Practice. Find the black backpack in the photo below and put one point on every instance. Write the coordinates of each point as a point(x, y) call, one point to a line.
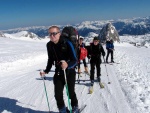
point(71, 34)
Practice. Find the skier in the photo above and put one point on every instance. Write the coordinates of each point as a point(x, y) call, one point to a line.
point(110, 49)
point(94, 55)
point(61, 50)
point(82, 45)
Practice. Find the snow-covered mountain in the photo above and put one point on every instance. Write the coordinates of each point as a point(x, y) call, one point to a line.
point(22, 35)
point(41, 31)
point(2, 34)
point(109, 32)
point(134, 26)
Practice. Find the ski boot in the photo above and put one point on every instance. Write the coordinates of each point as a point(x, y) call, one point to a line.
point(112, 61)
point(99, 79)
point(63, 110)
point(75, 109)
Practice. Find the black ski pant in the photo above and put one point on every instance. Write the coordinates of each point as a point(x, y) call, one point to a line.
point(109, 52)
point(84, 62)
point(92, 71)
point(59, 84)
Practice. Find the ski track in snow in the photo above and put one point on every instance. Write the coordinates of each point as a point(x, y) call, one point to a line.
point(134, 76)
point(33, 97)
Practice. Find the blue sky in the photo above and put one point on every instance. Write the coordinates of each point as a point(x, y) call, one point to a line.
point(24, 13)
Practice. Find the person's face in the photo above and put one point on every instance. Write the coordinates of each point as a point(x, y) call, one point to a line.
point(96, 42)
point(81, 40)
point(54, 35)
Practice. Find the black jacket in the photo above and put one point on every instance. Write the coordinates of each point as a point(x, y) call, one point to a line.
point(95, 51)
point(63, 50)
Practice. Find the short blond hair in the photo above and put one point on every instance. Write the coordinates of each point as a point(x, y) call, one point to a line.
point(54, 27)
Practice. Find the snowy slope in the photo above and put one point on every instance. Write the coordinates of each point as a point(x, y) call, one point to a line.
point(22, 89)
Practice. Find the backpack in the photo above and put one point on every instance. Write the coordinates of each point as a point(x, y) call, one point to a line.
point(71, 34)
point(83, 53)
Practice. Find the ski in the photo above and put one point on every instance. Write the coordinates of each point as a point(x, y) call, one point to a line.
point(82, 108)
point(101, 85)
point(78, 80)
point(91, 90)
point(110, 63)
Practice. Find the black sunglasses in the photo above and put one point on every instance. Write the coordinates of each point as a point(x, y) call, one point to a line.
point(53, 33)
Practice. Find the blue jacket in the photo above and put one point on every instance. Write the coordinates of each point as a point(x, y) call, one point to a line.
point(109, 45)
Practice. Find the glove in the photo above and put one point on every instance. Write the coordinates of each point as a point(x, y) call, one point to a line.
point(42, 74)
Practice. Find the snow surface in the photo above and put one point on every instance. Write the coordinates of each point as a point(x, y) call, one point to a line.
point(22, 89)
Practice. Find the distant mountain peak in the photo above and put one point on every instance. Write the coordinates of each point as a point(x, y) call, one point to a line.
point(108, 32)
point(25, 34)
point(2, 34)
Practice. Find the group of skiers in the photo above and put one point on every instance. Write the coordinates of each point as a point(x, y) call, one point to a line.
point(63, 55)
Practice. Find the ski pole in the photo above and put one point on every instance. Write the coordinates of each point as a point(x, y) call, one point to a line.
point(78, 78)
point(46, 94)
point(67, 91)
point(78, 72)
point(106, 71)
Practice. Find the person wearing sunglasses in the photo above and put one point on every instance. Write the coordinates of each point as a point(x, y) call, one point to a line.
point(95, 51)
point(59, 49)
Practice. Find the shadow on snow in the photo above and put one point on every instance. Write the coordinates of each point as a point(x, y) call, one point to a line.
point(10, 105)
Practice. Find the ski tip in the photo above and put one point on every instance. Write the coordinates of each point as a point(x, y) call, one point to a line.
point(82, 108)
point(90, 91)
point(101, 85)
